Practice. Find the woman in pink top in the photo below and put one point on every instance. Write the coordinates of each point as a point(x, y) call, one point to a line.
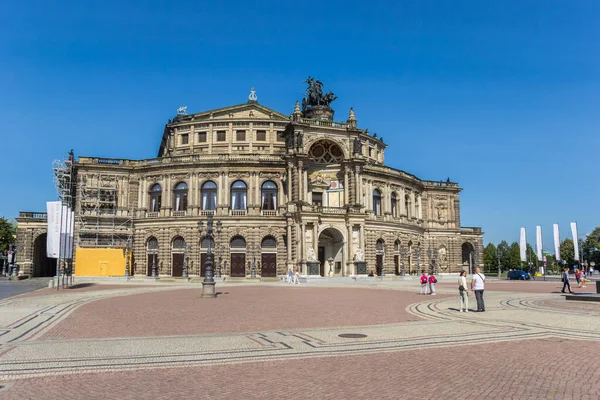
point(423, 284)
point(432, 282)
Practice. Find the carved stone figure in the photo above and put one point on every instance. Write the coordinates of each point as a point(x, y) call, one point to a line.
point(358, 255)
point(357, 146)
point(311, 256)
point(299, 141)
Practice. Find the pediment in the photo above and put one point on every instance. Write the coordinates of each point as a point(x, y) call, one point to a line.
point(246, 111)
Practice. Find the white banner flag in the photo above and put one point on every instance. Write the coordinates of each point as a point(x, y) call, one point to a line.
point(538, 242)
point(523, 245)
point(556, 242)
point(575, 241)
point(63, 231)
point(53, 237)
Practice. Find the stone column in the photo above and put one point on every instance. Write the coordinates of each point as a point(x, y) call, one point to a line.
point(300, 175)
point(412, 204)
point(420, 207)
point(289, 182)
point(358, 185)
point(346, 183)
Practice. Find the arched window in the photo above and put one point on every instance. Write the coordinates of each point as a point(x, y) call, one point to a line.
point(181, 196)
point(178, 243)
point(155, 198)
point(397, 246)
point(269, 195)
point(376, 202)
point(407, 206)
point(394, 201)
point(268, 242)
point(379, 246)
point(152, 245)
point(207, 242)
point(325, 151)
point(209, 196)
point(237, 242)
point(239, 191)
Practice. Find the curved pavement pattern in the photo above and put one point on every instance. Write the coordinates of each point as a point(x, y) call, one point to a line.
point(518, 329)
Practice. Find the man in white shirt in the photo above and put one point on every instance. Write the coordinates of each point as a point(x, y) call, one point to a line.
point(477, 286)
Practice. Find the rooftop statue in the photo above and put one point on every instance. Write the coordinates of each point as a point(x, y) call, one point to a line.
point(315, 96)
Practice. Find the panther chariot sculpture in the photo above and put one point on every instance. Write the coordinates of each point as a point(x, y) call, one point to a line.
point(316, 104)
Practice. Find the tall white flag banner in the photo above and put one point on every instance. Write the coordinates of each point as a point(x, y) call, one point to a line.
point(523, 245)
point(575, 241)
point(556, 242)
point(538, 242)
point(53, 236)
point(64, 234)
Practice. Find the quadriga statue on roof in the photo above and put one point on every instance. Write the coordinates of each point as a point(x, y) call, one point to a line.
point(315, 96)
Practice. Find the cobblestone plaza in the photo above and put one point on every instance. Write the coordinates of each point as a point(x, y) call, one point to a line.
point(373, 338)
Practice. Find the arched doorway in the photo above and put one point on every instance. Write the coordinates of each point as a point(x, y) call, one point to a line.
point(237, 247)
point(379, 252)
point(268, 261)
point(467, 256)
point(42, 265)
point(177, 256)
point(397, 270)
point(331, 248)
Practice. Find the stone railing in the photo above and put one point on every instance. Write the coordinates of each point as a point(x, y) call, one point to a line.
point(440, 184)
point(268, 213)
point(33, 215)
point(179, 213)
point(206, 213)
point(237, 213)
point(474, 230)
point(153, 214)
point(192, 158)
point(332, 210)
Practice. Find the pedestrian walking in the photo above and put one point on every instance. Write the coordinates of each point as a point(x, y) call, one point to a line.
point(463, 292)
point(432, 281)
point(477, 286)
point(583, 278)
point(566, 282)
point(423, 283)
point(290, 274)
point(578, 277)
point(296, 278)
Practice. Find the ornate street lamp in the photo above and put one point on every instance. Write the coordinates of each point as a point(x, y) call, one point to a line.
point(403, 254)
point(219, 229)
point(418, 256)
point(127, 253)
point(254, 249)
point(429, 256)
point(208, 285)
point(186, 260)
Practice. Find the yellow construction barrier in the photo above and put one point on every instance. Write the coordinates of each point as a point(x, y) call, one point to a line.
point(100, 262)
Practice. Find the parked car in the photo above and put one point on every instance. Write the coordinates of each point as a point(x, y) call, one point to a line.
point(518, 274)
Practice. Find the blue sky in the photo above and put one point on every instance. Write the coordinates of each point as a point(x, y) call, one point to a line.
point(502, 97)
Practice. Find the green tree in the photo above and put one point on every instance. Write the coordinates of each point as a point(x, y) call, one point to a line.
point(567, 252)
point(504, 255)
point(7, 233)
point(514, 256)
point(591, 247)
point(490, 258)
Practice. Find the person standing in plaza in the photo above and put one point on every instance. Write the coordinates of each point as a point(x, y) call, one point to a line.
point(463, 292)
point(566, 282)
point(423, 283)
point(432, 282)
point(289, 276)
point(477, 286)
point(578, 277)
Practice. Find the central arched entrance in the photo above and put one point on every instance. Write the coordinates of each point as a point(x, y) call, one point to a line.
point(42, 265)
point(331, 252)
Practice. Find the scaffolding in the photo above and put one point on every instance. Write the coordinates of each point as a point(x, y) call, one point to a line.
point(102, 223)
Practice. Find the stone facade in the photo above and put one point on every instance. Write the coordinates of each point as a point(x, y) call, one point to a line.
point(286, 189)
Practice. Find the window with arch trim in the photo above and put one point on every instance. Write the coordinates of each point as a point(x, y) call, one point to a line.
point(377, 202)
point(394, 205)
point(269, 195)
point(180, 196)
point(325, 151)
point(209, 195)
point(155, 197)
point(239, 192)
